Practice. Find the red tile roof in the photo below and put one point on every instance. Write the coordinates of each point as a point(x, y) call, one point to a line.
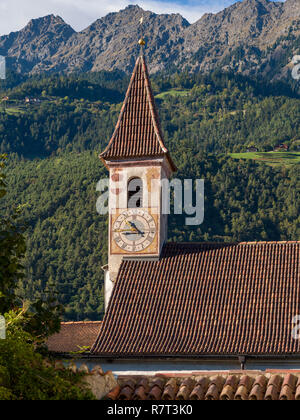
point(74, 336)
point(236, 385)
point(205, 299)
point(138, 132)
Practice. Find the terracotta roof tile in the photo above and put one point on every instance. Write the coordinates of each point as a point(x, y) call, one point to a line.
point(244, 388)
point(113, 395)
point(138, 132)
point(200, 389)
point(297, 394)
point(171, 390)
point(223, 386)
point(142, 390)
point(206, 299)
point(288, 388)
point(273, 388)
point(73, 336)
point(259, 388)
point(215, 388)
point(126, 393)
point(127, 390)
point(185, 389)
point(230, 388)
point(156, 388)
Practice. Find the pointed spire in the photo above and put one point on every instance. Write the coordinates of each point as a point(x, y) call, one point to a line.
point(138, 132)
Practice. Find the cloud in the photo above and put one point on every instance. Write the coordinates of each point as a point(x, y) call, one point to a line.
point(15, 14)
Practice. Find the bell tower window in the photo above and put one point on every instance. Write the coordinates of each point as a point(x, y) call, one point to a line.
point(135, 193)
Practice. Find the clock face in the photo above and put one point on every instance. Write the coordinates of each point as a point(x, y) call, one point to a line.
point(134, 230)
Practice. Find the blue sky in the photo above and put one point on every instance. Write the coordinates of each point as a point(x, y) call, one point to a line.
point(15, 14)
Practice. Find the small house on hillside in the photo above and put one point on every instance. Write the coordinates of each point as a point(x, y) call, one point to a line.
point(252, 149)
point(281, 148)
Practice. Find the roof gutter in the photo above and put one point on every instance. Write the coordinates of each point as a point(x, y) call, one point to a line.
point(242, 359)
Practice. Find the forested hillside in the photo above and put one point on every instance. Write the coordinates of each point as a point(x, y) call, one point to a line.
point(67, 239)
point(55, 135)
point(220, 113)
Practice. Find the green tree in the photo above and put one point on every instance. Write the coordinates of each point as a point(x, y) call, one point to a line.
point(42, 316)
point(12, 250)
point(26, 375)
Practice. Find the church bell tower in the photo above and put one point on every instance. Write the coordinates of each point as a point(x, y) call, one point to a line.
point(137, 160)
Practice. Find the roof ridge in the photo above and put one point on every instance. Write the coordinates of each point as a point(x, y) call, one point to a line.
point(233, 243)
point(269, 242)
point(201, 243)
point(155, 117)
point(80, 322)
point(209, 385)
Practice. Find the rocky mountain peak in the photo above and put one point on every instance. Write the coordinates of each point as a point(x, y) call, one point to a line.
point(133, 7)
point(292, 8)
point(236, 38)
point(48, 23)
point(289, 3)
point(38, 41)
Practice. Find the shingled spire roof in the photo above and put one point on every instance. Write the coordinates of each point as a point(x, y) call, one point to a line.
point(138, 132)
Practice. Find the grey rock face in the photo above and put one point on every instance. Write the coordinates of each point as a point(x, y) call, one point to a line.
point(36, 43)
point(244, 38)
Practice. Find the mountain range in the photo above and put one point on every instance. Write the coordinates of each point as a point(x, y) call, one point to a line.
point(251, 37)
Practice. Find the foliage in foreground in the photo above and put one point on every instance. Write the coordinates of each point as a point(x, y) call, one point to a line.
point(24, 374)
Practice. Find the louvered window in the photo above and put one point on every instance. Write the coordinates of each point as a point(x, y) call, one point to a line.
point(135, 193)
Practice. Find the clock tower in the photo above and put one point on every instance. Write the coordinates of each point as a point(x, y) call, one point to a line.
point(138, 161)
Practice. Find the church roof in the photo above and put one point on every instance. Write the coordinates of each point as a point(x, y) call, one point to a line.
point(74, 336)
point(205, 299)
point(138, 133)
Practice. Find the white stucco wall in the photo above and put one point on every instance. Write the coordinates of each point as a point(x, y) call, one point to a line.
point(108, 289)
point(151, 368)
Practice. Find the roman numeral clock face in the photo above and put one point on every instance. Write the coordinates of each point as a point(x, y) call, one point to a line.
point(134, 230)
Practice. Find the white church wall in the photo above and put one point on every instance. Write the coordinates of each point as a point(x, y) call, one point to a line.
point(176, 367)
point(108, 286)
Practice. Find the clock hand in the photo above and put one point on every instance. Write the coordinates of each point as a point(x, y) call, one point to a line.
point(132, 224)
point(137, 229)
point(125, 230)
point(133, 229)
